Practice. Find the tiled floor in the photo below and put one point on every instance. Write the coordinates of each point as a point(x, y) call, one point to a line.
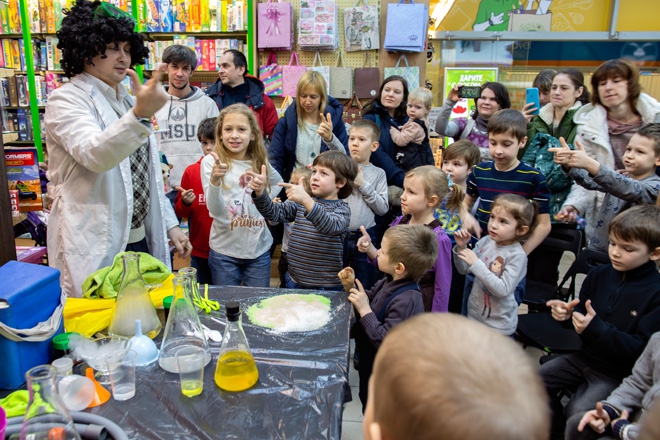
point(352, 419)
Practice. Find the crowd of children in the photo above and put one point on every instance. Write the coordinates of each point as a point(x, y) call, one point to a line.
point(461, 244)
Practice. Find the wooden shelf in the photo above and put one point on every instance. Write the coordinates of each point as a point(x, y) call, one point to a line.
point(17, 107)
point(198, 35)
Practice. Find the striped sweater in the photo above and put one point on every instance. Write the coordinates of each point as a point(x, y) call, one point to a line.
point(315, 250)
point(485, 183)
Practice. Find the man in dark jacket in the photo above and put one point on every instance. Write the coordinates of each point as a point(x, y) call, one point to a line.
point(234, 85)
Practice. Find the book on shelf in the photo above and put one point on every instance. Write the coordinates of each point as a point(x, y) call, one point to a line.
point(22, 90)
point(13, 94)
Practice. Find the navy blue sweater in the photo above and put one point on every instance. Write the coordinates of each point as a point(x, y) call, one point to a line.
point(627, 306)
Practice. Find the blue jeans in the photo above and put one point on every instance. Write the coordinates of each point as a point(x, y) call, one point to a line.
point(365, 272)
point(204, 275)
point(229, 271)
point(290, 284)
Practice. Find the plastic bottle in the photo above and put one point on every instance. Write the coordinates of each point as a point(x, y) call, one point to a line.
point(133, 302)
point(183, 328)
point(236, 369)
point(46, 416)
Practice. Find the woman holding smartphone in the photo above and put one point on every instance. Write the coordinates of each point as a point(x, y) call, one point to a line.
point(493, 97)
point(604, 127)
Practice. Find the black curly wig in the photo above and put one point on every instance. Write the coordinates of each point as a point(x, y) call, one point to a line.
point(84, 36)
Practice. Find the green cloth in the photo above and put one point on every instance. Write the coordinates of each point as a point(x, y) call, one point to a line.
point(16, 403)
point(104, 283)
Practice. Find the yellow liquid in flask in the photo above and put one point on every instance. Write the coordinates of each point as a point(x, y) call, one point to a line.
point(236, 371)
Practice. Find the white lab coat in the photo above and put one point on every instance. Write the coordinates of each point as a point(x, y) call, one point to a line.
point(90, 174)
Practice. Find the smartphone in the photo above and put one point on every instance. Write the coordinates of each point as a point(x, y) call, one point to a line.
point(532, 95)
point(470, 92)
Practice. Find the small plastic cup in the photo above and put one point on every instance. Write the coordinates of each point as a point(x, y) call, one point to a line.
point(190, 361)
point(76, 391)
point(64, 366)
point(121, 366)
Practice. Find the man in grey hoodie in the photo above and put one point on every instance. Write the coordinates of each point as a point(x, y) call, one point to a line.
point(179, 118)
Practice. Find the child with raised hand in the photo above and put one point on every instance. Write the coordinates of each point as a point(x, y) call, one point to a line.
point(616, 314)
point(407, 251)
point(321, 220)
point(624, 411)
point(240, 240)
point(367, 200)
point(190, 203)
point(445, 376)
point(413, 137)
point(458, 160)
point(638, 185)
point(498, 262)
point(424, 188)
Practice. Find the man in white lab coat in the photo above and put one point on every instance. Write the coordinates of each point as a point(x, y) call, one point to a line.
point(104, 169)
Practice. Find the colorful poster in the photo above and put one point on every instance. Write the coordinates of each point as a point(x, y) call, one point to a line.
point(23, 176)
point(466, 77)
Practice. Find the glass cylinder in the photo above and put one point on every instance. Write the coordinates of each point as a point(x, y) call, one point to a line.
point(46, 416)
point(236, 369)
point(133, 302)
point(183, 328)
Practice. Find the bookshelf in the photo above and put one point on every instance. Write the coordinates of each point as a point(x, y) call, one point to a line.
point(36, 65)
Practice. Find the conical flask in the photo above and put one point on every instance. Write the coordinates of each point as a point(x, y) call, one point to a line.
point(46, 417)
point(236, 369)
point(133, 302)
point(183, 328)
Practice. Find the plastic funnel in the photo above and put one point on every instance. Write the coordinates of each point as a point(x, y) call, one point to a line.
point(146, 349)
point(101, 395)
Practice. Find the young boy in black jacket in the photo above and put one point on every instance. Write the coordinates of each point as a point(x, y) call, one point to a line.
point(406, 253)
point(617, 312)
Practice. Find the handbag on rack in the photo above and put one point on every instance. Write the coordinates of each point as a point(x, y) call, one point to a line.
point(275, 25)
point(409, 73)
point(341, 80)
point(271, 76)
point(323, 70)
point(291, 74)
point(367, 79)
point(406, 26)
point(286, 102)
point(352, 110)
point(361, 27)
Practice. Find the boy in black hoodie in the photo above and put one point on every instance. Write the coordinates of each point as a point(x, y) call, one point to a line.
point(617, 312)
point(406, 253)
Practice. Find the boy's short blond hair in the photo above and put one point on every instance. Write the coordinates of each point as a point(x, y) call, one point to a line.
point(444, 376)
point(416, 246)
point(423, 95)
point(368, 125)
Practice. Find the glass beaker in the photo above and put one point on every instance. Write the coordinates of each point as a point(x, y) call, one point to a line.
point(183, 328)
point(46, 416)
point(133, 302)
point(236, 369)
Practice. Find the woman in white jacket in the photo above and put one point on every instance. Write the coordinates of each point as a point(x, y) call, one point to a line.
point(617, 110)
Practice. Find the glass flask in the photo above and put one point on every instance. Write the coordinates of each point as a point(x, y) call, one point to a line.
point(133, 302)
point(183, 328)
point(194, 288)
point(46, 417)
point(236, 369)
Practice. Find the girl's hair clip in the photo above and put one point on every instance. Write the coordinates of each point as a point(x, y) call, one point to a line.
point(309, 167)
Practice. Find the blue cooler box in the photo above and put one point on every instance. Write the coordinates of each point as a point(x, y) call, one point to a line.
point(29, 294)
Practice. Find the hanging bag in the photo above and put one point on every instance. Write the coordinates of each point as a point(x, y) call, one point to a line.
point(271, 76)
point(361, 27)
point(410, 73)
point(352, 111)
point(317, 25)
point(323, 70)
point(275, 29)
point(291, 74)
point(367, 79)
point(341, 80)
point(406, 26)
